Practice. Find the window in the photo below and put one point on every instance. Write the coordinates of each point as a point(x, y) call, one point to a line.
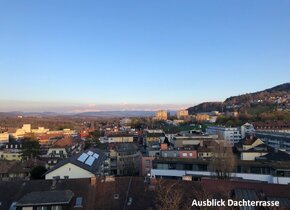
point(56, 208)
point(41, 208)
point(79, 202)
point(27, 208)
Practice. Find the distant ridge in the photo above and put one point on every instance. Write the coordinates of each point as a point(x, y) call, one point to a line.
point(82, 114)
point(116, 114)
point(244, 100)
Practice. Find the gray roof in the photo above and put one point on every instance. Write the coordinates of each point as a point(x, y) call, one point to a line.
point(94, 168)
point(247, 194)
point(46, 198)
point(276, 156)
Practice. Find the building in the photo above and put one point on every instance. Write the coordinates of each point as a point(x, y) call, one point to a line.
point(247, 128)
point(253, 148)
point(206, 149)
point(146, 164)
point(154, 137)
point(118, 138)
point(232, 135)
point(202, 117)
point(192, 139)
point(40, 130)
point(161, 115)
point(20, 133)
point(55, 200)
point(181, 114)
point(278, 140)
point(4, 138)
point(114, 194)
point(11, 151)
point(125, 159)
point(91, 163)
point(261, 171)
point(17, 170)
point(181, 153)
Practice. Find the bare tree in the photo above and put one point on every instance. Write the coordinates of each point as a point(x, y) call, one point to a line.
point(168, 196)
point(223, 161)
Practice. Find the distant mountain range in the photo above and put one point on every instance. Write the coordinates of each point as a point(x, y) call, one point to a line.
point(117, 114)
point(273, 96)
point(83, 114)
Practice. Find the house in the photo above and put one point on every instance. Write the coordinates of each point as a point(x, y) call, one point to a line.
point(276, 155)
point(252, 148)
point(11, 151)
point(154, 137)
point(90, 163)
point(55, 200)
point(77, 194)
point(206, 149)
point(17, 170)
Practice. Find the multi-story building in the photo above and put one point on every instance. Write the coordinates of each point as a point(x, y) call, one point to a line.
point(202, 117)
point(247, 128)
point(271, 172)
point(161, 115)
point(125, 159)
point(181, 114)
point(11, 151)
point(192, 139)
point(277, 140)
point(117, 138)
point(232, 135)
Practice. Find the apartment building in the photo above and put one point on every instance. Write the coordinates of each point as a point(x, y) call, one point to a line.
point(161, 115)
point(232, 135)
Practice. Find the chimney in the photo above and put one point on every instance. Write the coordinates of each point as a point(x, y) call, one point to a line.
point(93, 181)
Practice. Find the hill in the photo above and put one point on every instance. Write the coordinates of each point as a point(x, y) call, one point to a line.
point(277, 97)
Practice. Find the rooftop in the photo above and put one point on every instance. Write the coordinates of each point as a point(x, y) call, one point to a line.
point(46, 197)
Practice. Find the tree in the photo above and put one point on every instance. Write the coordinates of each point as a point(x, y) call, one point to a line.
point(223, 160)
point(30, 148)
point(38, 172)
point(168, 196)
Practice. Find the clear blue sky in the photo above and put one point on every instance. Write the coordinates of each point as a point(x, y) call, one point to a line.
point(141, 52)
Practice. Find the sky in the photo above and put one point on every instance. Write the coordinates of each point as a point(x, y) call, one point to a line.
point(73, 55)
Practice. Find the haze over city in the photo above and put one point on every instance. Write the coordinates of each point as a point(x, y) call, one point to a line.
point(71, 56)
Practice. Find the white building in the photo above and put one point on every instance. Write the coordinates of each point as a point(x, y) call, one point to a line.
point(88, 164)
point(247, 128)
point(232, 135)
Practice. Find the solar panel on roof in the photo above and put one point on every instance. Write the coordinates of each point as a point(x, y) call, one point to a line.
point(90, 161)
point(90, 153)
point(83, 157)
point(96, 155)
